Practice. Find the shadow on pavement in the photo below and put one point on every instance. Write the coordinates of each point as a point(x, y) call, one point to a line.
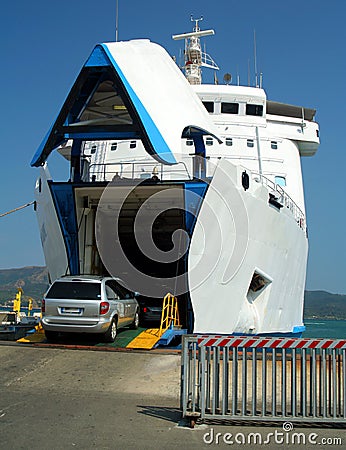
point(161, 412)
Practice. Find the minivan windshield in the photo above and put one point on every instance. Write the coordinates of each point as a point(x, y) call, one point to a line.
point(76, 290)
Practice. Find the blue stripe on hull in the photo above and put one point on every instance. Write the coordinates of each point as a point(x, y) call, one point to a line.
point(63, 198)
point(161, 149)
point(194, 195)
point(292, 334)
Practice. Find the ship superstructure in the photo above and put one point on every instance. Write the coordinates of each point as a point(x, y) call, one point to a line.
point(182, 187)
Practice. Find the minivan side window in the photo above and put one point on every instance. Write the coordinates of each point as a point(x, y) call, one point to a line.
point(121, 291)
point(111, 295)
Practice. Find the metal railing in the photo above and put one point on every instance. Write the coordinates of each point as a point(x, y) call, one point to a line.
point(170, 313)
point(282, 198)
point(276, 189)
point(137, 170)
point(263, 379)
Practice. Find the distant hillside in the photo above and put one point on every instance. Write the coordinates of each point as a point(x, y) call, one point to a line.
point(325, 305)
point(33, 280)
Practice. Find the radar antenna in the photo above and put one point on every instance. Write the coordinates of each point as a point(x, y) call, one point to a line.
point(227, 78)
point(196, 28)
point(194, 57)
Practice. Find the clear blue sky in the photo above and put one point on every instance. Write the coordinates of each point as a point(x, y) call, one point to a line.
point(300, 50)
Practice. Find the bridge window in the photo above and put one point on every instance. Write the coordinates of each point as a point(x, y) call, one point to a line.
point(274, 145)
point(281, 181)
point(114, 146)
point(229, 142)
point(209, 141)
point(189, 142)
point(254, 110)
point(133, 144)
point(93, 149)
point(250, 143)
point(229, 108)
point(209, 106)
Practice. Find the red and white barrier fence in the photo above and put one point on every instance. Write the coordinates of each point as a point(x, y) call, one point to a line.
point(268, 342)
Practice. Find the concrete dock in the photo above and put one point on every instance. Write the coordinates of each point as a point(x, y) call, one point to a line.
point(54, 398)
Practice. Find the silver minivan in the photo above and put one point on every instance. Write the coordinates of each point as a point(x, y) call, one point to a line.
point(88, 304)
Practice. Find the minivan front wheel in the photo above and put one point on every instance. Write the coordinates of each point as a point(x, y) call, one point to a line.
point(111, 333)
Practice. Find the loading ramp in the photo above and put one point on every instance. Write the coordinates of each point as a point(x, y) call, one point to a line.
point(170, 327)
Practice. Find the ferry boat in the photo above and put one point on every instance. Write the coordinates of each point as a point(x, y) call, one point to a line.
point(182, 187)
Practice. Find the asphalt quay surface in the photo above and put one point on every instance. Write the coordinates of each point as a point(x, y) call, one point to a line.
point(59, 398)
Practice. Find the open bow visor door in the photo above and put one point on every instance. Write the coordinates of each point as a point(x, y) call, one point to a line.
point(129, 90)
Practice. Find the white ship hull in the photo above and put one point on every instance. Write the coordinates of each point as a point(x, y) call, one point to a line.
point(227, 248)
point(209, 207)
point(260, 240)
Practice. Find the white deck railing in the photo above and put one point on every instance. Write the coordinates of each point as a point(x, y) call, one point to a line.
point(137, 170)
point(283, 198)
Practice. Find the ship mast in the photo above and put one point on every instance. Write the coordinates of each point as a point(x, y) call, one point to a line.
point(194, 57)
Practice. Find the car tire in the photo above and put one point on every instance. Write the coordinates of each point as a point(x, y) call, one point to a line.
point(51, 335)
point(112, 331)
point(135, 323)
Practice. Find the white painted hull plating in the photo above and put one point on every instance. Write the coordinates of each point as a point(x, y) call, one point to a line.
point(273, 244)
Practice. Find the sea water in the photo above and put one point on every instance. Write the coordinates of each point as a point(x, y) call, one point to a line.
point(324, 328)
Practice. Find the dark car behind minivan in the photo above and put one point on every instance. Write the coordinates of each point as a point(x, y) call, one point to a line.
point(150, 311)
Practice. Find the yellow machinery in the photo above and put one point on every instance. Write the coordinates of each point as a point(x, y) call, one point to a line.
point(169, 317)
point(17, 302)
point(39, 335)
point(30, 301)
